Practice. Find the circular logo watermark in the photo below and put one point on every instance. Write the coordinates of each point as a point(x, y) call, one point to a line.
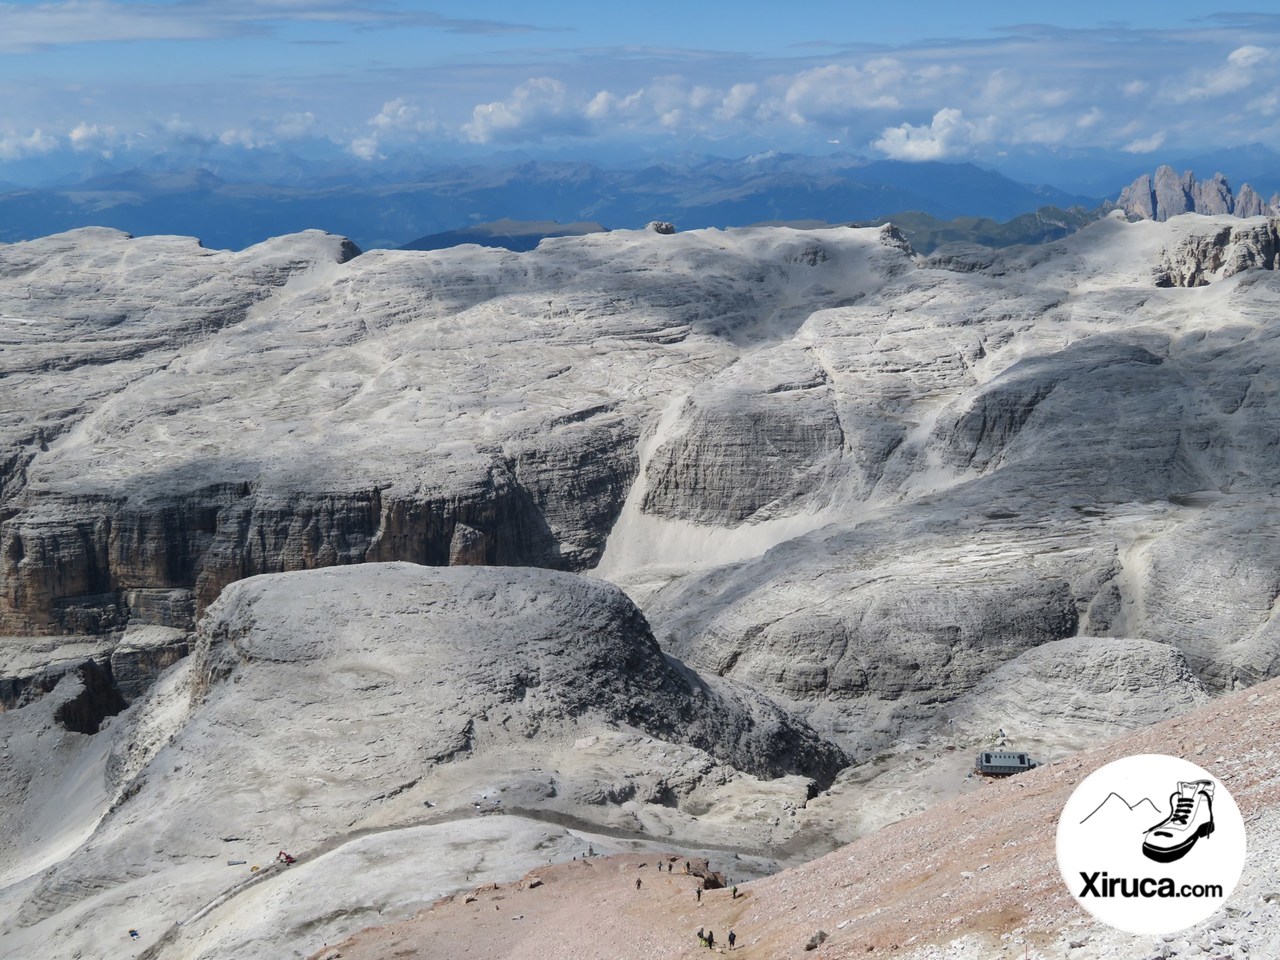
point(1151, 844)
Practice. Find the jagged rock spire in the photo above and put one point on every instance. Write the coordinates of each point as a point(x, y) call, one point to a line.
point(1167, 195)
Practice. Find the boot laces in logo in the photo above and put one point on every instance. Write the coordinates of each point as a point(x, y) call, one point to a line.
point(1143, 864)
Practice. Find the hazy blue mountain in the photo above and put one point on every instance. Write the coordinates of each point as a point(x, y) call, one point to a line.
point(691, 192)
point(926, 233)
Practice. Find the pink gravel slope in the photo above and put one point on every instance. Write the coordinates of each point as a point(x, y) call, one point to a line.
point(971, 877)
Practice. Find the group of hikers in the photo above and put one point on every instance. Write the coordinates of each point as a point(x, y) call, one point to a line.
point(705, 938)
point(708, 939)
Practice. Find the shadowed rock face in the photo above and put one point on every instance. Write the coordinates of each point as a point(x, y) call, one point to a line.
point(506, 653)
point(284, 409)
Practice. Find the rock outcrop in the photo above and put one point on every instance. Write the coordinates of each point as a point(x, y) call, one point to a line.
point(323, 705)
point(793, 445)
point(490, 655)
point(184, 418)
point(1169, 195)
point(1199, 260)
point(840, 481)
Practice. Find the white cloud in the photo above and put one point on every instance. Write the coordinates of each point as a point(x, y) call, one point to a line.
point(15, 146)
point(366, 148)
point(538, 108)
point(399, 114)
point(1247, 56)
point(1144, 144)
point(85, 136)
point(1135, 87)
point(1089, 119)
point(240, 138)
point(267, 132)
point(949, 134)
point(737, 101)
point(294, 126)
point(834, 94)
point(398, 120)
point(33, 26)
point(1236, 74)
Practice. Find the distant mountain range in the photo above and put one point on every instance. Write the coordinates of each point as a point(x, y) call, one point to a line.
point(706, 192)
point(519, 235)
point(515, 205)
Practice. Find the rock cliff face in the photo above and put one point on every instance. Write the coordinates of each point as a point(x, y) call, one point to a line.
point(324, 704)
point(716, 420)
point(1020, 443)
point(1169, 195)
point(842, 483)
point(284, 409)
point(501, 655)
point(1224, 253)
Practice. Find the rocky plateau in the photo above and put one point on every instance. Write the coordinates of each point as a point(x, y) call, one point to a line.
point(738, 542)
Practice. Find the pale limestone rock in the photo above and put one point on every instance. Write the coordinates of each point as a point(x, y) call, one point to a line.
point(468, 546)
point(1250, 204)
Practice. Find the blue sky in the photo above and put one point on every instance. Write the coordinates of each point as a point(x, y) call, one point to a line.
point(366, 81)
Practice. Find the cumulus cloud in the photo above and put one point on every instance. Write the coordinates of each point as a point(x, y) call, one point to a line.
point(672, 104)
point(738, 101)
point(538, 108)
point(268, 131)
point(241, 137)
point(399, 114)
point(833, 94)
point(294, 126)
point(930, 100)
point(15, 146)
point(397, 120)
point(949, 134)
point(87, 136)
point(366, 148)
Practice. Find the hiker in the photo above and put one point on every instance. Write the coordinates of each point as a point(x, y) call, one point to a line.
point(637, 883)
point(133, 934)
point(699, 893)
point(711, 940)
point(733, 938)
point(686, 866)
point(734, 891)
point(702, 937)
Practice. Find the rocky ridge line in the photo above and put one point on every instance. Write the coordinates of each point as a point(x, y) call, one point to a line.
point(1168, 195)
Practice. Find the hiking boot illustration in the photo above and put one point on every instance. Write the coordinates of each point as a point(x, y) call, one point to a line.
point(1190, 818)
